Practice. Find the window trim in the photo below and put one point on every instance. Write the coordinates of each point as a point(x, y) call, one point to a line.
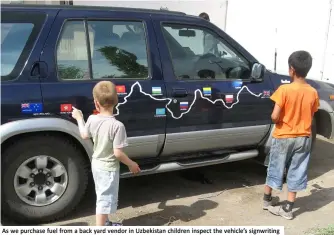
point(194, 25)
point(24, 56)
point(90, 65)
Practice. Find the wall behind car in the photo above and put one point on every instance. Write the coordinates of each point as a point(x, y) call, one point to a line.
point(264, 27)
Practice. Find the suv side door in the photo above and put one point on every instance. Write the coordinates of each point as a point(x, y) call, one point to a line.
point(23, 34)
point(85, 47)
point(216, 105)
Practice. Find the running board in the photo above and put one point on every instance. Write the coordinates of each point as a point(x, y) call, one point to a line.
point(192, 163)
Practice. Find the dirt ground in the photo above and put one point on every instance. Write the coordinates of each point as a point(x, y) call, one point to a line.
point(233, 199)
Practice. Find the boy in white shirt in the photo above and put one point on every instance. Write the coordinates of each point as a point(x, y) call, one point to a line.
point(109, 137)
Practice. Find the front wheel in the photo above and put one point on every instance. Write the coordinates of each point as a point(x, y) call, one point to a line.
point(43, 179)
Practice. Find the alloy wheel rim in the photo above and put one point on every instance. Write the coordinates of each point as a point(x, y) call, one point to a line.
point(40, 180)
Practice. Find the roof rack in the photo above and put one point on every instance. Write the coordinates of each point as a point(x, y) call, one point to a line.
point(102, 8)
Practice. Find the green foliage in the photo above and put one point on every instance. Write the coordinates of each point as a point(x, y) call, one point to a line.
point(125, 61)
point(322, 231)
point(70, 72)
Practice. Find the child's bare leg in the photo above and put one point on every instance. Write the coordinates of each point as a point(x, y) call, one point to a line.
point(101, 219)
point(292, 196)
point(267, 190)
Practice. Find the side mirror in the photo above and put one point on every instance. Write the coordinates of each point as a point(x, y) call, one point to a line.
point(257, 73)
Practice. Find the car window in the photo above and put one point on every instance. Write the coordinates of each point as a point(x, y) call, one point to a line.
point(72, 53)
point(197, 53)
point(118, 50)
point(19, 32)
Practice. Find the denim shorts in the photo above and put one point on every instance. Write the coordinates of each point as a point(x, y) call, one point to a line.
point(106, 189)
point(292, 154)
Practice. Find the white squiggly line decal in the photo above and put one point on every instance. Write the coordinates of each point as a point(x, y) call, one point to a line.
point(192, 103)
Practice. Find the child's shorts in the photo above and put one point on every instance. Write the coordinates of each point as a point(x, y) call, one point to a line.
point(106, 188)
point(294, 155)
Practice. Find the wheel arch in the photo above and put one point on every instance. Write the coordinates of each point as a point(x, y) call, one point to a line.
point(15, 130)
point(324, 121)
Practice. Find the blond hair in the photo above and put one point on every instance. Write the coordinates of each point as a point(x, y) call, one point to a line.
point(105, 93)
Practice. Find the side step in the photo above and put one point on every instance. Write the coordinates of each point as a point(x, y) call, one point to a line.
point(192, 163)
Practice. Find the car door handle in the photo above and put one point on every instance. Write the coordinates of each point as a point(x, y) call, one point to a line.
point(179, 92)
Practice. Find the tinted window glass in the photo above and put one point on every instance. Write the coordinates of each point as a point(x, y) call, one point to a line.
point(197, 53)
point(118, 50)
point(72, 54)
point(19, 32)
point(12, 45)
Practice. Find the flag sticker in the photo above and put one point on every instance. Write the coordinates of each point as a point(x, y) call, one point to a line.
point(207, 91)
point(160, 112)
point(121, 90)
point(156, 90)
point(31, 108)
point(65, 108)
point(237, 84)
point(266, 94)
point(183, 106)
point(229, 99)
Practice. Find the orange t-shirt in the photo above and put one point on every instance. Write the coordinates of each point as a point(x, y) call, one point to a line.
point(298, 103)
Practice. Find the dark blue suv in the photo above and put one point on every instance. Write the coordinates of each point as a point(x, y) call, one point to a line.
point(189, 96)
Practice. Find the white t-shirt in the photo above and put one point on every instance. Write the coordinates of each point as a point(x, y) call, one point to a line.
point(108, 134)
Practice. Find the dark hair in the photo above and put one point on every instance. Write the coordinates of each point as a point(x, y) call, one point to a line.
point(204, 16)
point(301, 62)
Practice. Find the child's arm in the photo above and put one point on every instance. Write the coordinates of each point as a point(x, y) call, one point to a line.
point(279, 98)
point(122, 157)
point(83, 127)
point(276, 113)
point(119, 142)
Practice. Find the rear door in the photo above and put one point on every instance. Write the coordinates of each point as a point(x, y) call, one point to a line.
point(215, 105)
point(85, 47)
point(23, 33)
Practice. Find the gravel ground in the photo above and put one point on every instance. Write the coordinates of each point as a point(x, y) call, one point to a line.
point(233, 199)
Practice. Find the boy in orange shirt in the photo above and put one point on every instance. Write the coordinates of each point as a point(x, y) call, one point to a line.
point(295, 105)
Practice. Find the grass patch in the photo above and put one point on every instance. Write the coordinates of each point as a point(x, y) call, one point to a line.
point(322, 231)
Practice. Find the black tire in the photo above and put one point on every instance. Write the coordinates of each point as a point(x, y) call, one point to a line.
point(59, 148)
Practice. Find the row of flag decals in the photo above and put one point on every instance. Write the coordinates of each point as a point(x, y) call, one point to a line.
point(121, 90)
point(37, 108)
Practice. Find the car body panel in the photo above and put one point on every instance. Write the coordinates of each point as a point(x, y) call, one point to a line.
point(146, 133)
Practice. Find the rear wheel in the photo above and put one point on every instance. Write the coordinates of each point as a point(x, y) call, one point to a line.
point(43, 179)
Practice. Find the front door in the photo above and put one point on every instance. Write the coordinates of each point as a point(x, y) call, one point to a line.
point(215, 104)
point(90, 46)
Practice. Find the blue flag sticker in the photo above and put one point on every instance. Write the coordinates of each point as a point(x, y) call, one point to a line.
point(237, 84)
point(31, 108)
point(160, 112)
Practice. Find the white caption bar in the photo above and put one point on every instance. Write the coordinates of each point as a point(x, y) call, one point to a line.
point(193, 230)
